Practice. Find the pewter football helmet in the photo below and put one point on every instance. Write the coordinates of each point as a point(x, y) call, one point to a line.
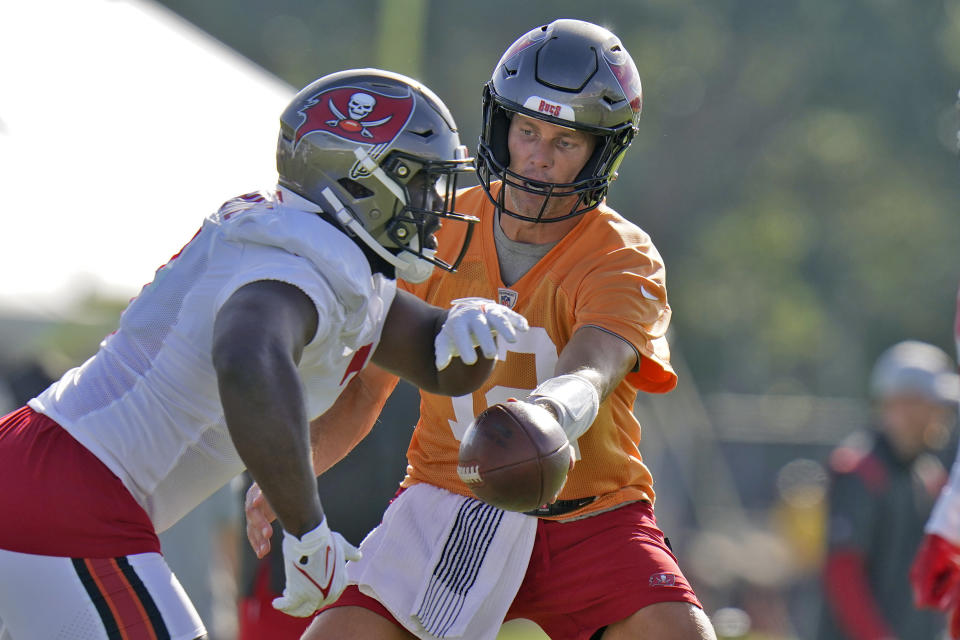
point(570, 73)
point(380, 152)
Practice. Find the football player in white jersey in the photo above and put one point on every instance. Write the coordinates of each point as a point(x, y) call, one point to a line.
point(253, 329)
point(935, 573)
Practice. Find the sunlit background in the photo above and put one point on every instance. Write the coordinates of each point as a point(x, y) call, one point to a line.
point(796, 166)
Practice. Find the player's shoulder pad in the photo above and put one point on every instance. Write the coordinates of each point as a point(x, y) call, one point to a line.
point(270, 223)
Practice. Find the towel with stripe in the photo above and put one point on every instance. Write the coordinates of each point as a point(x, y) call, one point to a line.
point(446, 566)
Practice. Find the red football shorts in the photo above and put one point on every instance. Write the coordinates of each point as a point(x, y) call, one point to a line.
point(586, 574)
point(258, 620)
point(60, 499)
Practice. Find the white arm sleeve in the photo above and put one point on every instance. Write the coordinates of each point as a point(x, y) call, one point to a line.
point(575, 400)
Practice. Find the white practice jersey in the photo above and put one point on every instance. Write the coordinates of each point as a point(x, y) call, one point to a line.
point(147, 403)
point(945, 518)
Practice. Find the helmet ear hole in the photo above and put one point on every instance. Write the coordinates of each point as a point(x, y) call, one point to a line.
point(355, 189)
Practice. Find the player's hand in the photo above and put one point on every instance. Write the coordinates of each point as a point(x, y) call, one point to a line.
point(472, 323)
point(553, 412)
point(260, 515)
point(314, 565)
point(570, 449)
point(573, 461)
point(935, 574)
point(955, 622)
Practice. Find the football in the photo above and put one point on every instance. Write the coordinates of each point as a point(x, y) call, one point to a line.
point(514, 456)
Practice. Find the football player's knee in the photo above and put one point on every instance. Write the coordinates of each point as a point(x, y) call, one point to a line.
point(354, 622)
point(664, 621)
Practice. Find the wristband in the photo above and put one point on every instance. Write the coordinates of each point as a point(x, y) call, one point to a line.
point(574, 399)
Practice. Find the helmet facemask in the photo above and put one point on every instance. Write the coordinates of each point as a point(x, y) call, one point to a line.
point(424, 195)
point(429, 201)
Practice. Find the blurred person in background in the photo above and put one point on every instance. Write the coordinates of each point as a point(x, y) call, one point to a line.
point(882, 487)
point(256, 326)
point(25, 380)
point(559, 113)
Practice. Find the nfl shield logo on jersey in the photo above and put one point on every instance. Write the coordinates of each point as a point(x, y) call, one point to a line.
point(507, 297)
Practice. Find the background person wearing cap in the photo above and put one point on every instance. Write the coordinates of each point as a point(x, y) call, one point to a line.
point(883, 484)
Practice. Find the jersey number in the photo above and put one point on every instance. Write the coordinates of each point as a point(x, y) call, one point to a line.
point(537, 342)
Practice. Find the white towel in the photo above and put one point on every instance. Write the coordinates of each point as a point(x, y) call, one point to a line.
point(444, 565)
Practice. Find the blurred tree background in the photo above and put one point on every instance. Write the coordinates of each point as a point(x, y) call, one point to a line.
point(795, 163)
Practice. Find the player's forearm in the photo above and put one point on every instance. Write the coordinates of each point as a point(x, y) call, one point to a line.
point(431, 348)
point(589, 368)
point(264, 409)
point(601, 357)
point(334, 434)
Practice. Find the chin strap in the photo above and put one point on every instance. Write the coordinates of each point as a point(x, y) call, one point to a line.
point(575, 400)
point(370, 166)
point(415, 269)
point(409, 266)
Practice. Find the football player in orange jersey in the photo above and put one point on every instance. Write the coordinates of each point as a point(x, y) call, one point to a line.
point(559, 113)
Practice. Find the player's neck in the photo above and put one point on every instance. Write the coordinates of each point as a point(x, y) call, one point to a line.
point(536, 232)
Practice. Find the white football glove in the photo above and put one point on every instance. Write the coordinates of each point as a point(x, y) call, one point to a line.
point(472, 323)
point(314, 566)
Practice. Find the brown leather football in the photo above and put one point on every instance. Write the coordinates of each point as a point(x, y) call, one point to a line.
point(514, 456)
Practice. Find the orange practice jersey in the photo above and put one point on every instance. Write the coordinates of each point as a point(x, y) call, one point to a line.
point(605, 273)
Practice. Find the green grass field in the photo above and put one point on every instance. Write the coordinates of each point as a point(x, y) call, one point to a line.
point(521, 630)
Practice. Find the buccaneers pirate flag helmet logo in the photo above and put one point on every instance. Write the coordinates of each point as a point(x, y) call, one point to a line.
point(357, 115)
